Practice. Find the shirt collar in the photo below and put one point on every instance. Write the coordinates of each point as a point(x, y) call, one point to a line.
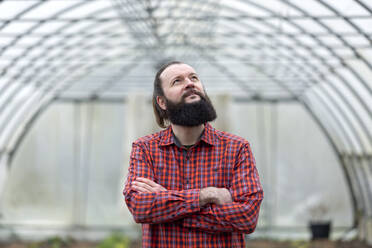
point(208, 136)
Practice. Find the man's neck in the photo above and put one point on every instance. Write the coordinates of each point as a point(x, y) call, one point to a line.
point(187, 135)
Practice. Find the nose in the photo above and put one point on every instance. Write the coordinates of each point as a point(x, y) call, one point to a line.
point(189, 83)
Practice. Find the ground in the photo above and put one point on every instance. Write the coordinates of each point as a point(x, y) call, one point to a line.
point(57, 243)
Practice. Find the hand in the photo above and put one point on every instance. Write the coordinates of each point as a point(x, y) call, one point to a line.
point(214, 195)
point(144, 185)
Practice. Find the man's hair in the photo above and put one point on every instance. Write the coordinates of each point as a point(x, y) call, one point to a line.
point(160, 114)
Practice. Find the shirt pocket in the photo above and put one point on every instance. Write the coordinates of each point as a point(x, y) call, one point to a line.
point(166, 173)
point(222, 174)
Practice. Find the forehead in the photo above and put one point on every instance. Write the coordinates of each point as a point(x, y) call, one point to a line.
point(176, 70)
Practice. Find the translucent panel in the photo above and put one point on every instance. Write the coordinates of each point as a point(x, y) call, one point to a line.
point(310, 26)
point(87, 9)
point(303, 52)
point(349, 114)
point(313, 7)
point(308, 41)
point(339, 120)
point(81, 26)
point(338, 25)
point(364, 24)
point(24, 92)
point(286, 27)
point(29, 40)
point(357, 41)
point(347, 7)
point(344, 53)
point(316, 107)
point(17, 27)
point(362, 182)
point(35, 52)
point(367, 3)
point(52, 40)
point(10, 9)
point(49, 27)
point(249, 9)
point(13, 52)
point(286, 41)
point(368, 174)
point(322, 52)
point(273, 5)
point(48, 9)
point(331, 41)
point(364, 72)
point(355, 185)
point(4, 41)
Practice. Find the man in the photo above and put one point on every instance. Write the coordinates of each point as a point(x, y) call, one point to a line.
point(191, 185)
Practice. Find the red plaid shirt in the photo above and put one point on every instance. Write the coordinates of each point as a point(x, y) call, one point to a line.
point(173, 218)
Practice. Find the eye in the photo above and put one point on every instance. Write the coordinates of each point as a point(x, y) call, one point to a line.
point(176, 81)
point(194, 78)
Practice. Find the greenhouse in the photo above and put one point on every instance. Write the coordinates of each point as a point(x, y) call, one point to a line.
point(293, 78)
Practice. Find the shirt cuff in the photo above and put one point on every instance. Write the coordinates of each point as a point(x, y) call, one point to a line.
point(192, 199)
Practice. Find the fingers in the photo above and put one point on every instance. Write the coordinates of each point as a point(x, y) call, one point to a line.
point(146, 185)
point(147, 181)
point(140, 189)
point(224, 196)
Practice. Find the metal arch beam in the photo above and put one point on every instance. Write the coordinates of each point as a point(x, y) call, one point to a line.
point(38, 25)
point(28, 123)
point(6, 23)
point(58, 56)
point(318, 41)
point(37, 44)
point(96, 65)
point(341, 96)
point(346, 19)
point(58, 31)
point(45, 98)
point(201, 34)
point(33, 28)
point(60, 80)
point(358, 97)
point(331, 68)
point(356, 135)
point(278, 80)
point(366, 185)
point(206, 18)
point(362, 81)
point(325, 46)
point(354, 168)
point(344, 167)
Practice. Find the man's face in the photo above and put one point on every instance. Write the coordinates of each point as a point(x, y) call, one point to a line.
point(180, 82)
point(184, 100)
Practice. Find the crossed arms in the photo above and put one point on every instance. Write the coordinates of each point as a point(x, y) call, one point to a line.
point(210, 209)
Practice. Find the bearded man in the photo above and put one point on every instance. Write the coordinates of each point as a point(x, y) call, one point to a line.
point(191, 185)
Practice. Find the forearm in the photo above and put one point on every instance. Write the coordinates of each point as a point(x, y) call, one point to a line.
point(230, 217)
point(164, 206)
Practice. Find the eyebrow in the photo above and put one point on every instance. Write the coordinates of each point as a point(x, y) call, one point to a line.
point(192, 73)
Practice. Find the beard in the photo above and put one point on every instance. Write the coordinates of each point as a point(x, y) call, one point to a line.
point(191, 114)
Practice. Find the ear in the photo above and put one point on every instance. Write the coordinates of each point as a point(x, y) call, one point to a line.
point(161, 102)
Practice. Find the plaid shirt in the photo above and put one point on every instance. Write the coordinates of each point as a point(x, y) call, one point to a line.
point(173, 218)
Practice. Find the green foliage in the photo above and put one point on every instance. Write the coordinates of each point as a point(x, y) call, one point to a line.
point(116, 240)
point(54, 242)
point(299, 244)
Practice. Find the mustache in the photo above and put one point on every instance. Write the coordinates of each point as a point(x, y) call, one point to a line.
point(191, 92)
